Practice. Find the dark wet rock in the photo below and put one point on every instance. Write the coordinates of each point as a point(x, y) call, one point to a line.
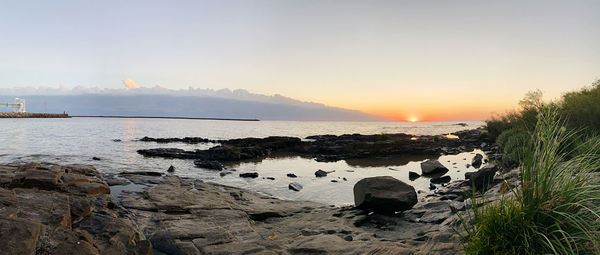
point(291, 175)
point(117, 140)
point(146, 173)
point(433, 167)
point(344, 178)
point(171, 169)
point(224, 173)
point(96, 158)
point(384, 194)
point(334, 181)
point(209, 164)
point(324, 148)
point(249, 175)
point(440, 180)
point(431, 186)
point(477, 160)
point(270, 178)
point(413, 176)
point(320, 173)
point(483, 178)
point(295, 186)
point(190, 140)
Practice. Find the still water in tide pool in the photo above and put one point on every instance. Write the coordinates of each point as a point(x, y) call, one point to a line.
point(77, 140)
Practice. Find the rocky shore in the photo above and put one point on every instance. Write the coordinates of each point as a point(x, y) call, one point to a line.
point(53, 209)
point(32, 115)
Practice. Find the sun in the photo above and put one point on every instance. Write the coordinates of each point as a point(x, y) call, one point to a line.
point(413, 119)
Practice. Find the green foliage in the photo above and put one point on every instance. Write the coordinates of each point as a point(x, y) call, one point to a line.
point(556, 210)
point(582, 108)
point(513, 143)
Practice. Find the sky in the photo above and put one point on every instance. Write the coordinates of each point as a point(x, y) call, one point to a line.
point(422, 60)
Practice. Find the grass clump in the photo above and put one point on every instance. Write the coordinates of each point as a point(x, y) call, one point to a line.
point(556, 210)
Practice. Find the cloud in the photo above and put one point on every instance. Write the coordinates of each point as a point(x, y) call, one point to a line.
point(130, 84)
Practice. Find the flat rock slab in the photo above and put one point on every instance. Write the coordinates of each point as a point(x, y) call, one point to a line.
point(52, 209)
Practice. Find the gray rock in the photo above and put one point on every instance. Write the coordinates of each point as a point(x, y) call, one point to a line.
point(209, 164)
point(384, 194)
point(320, 173)
point(413, 176)
point(249, 175)
point(291, 175)
point(295, 186)
point(171, 169)
point(224, 173)
point(477, 160)
point(483, 178)
point(432, 167)
point(440, 180)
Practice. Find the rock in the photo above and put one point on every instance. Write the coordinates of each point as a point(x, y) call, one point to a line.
point(291, 175)
point(147, 173)
point(295, 186)
point(384, 194)
point(477, 160)
point(440, 180)
point(117, 140)
point(413, 176)
point(433, 167)
point(171, 169)
point(249, 175)
point(348, 238)
point(271, 178)
point(116, 182)
point(224, 173)
point(483, 178)
point(320, 173)
point(334, 181)
point(431, 186)
point(210, 164)
point(96, 158)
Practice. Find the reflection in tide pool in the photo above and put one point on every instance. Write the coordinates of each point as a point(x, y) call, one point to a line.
point(337, 187)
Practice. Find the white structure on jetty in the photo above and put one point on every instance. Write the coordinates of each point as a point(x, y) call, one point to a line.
point(18, 105)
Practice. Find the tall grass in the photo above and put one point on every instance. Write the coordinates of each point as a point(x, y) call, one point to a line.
point(556, 210)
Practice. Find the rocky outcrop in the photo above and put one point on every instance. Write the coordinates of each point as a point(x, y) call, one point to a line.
point(185, 216)
point(433, 167)
point(323, 148)
point(384, 194)
point(51, 209)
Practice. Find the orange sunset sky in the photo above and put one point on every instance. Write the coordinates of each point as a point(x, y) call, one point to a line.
point(406, 60)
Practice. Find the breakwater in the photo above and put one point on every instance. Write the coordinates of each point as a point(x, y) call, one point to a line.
point(32, 115)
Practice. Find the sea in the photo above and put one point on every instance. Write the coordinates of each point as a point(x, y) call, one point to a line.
point(115, 142)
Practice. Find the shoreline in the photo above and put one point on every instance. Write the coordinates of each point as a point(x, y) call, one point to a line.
point(158, 117)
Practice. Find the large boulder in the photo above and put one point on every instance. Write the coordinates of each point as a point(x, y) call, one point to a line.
point(433, 167)
point(384, 194)
point(483, 178)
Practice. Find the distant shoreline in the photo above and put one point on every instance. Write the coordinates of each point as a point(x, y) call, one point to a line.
point(158, 117)
point(26, 115)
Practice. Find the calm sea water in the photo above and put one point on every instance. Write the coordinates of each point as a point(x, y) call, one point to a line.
point(77, 140)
